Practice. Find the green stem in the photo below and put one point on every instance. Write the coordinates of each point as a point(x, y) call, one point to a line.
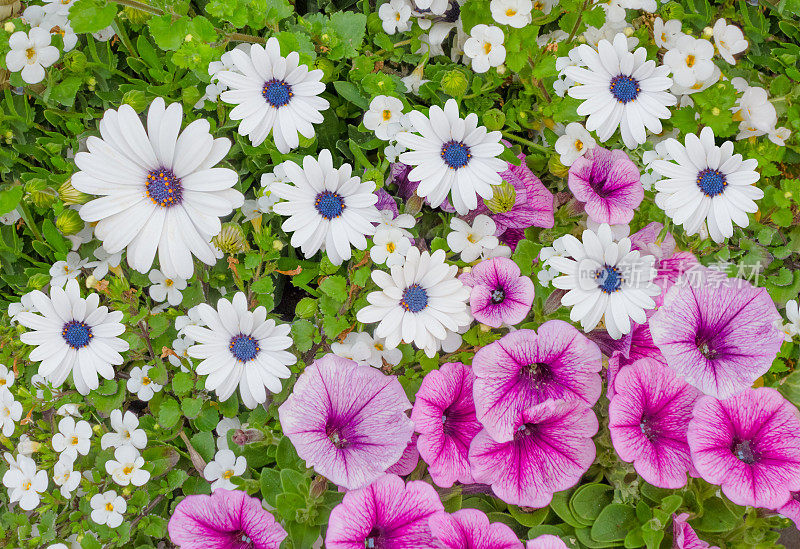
point(124, 38)
point(527, 142)
point(140, 6)
point(26, 216)
point(395, 45)
point(577, 21)
point(240, 37)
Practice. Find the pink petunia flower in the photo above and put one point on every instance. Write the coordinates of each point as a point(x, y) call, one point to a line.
point(608, 183)
point(670, 264)
point(500, 294)
point(749, 445)
point(408, 461)
point(546, 541)
point(791, 509)
point(471, 529)
point(648, 419)
point(347, 421)
point(550, 451)
point(684, 536)
point(387, 514)
point(224, 520)
point(444, 414)
point(719, 336)
point(525, 368)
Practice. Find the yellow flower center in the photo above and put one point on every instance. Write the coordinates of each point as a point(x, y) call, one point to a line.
point(168, 283)
point(472, 238)
point(690, 61)
point(127, 470)
point(74, 440)
point(26, 485)
point(397, 16)
point(578, 145)
point(227, 474)
point(2, 381)
point(511, 12)
point(390, 247)
point(538, 6)
point(387, 115)
point(379, 346)
point(487, 47)
point(109, 507)
point(30, 53)
point(146, 380)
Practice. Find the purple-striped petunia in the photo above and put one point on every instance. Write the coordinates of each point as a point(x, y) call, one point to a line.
point(444, 415)
point(526, 368)
point(684, 536)
point(648, 418)
point(749, 445)
point(471, 529)
point(608, 184)
point(227, 519)
point(387, 514)
point(719, 336)
point(550, 451)
point(791, 509)
point(546, 541)
point(347, 421)
point(408, 461)
point(500, 294)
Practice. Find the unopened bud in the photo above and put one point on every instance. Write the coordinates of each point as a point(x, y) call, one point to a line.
point(494, 119)
point(70, 195)
point(708, 32)
point(69, 222)
point(455, 83)
point(628, 31)
point(277, 245)
point(242, 437)
point(501, 70)
point(40, 193)
point(188, 38)
point(318, 486)
point(136, 99)
point(556, 167)
point(9, 26)
point(91, 281)
point(231, 239)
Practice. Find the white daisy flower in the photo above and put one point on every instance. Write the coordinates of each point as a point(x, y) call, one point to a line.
point(222, 468)
point(273, 94)
point(418, 302)
point(25, 483)
point(605, 279)
point(666, 34)
point(452, 154)
point(65, 477)
point(105, 261)
point(729, 40)
point(690, 60)
point(25, 305)
point(472, 241)
point(514, 13)
point(7, 377)
point(31, 53)
point(389, 247)
point(383, 116)
point(141, 384)
point(10, 412)
point(73, 335)
point(328, 208)
point(61, 271)
point(73, 438)
point(485, 47)
point(126, 432)
point(107, 508)
point(166, 288)
point(705, 182)
point(395, 16)
point(160, 188)
point(575, 142)
point(126, 467)
point(621, 90)
point(241, 349)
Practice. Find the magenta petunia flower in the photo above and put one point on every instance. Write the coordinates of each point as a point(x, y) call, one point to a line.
point(550, 451)
point(719, 336)
point(608, 184)
point(408, 461)
point(525, 368)
point(386, 514)
point(347, 421)
point(444, 414)
point(386, 202)
point(471, 529)
point(546, 541)
point(511, 237)
point(749, 445)
point(648, 418)
point(684, 536)
point(500, 294)
point(227, 519)
point(791, 509)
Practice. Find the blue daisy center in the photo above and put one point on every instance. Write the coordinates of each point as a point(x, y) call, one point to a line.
point(77, 334)
point(414, 299)
point(163, 188)
point(711, 182)
point(624, 88)
point(329, 204)
point(609, 279)
point(244, 347)
point(277, 93)
point(498, 295)
point(744, 451)
point(456, 154)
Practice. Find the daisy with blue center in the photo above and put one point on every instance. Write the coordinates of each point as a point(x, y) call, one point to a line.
point(327, 208)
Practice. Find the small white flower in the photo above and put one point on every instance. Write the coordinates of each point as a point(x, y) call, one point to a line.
point(143, 386)
point(470, 242)
point(65, 477)
point(226, 424)
point(105, 261)
point(191, 318)
point(107, 508)
point(26, 446)
point(62, 271)
point(666, 34)
point(383, 116)
point(10, 412)
point(180, 346)
point(267, 199)
point(729, 40)
point(391, 152)
point(224, 466)
point(7, 377)
point(72, 438)
point(514, 13)
point(125, 432)
point(25, 305)
point(778, 136)
point(104, 35)
point(690, 60)
point(211, 94)
point(10, 218)
point(250, 210)
point(792, 328)
point(31, 53)
point(413, 81)
point(25, 483)
point(574, 143)
point(395, 16)
point(436, 7)
point(402, 222)
point(380, 352)
point(485, 47)
point(69, 409)
point(356, 346)
point(166, 288)
point(126, 467)
point(389, 247)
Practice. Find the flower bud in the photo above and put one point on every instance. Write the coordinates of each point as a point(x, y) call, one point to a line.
point(242, 437)
point(40, 193)
point(137, 17)
point(9, 27)
point(38, 281)
point(318, 486)
point(494, 119)
point(455, 83)
point(70, 195)
point(708, 32)
point(501, 69)
point(75, 61)
point(556, 167)
point(69, 222)
point(628, 31)
point(306, 307)
point(328, 68)
point(136, 99)
point(231, 239)
point(504, 198)
point(91, 282)
point(277, 245)
point(188, 38)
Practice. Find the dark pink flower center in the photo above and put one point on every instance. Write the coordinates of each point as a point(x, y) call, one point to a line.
point(648, 429)
point(744, 451)
point(525, 430)
point(242, 540)
point(336, 436)
point(498, 295)
point(705, 348)
point(375, 539)
point(536, 373)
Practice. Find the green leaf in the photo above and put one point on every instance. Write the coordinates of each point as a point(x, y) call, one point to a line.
point(286, 455)
point(190, 406)
point(350, 92)
point(589, 500)
point(528, 519)
point(64, 92)
point(53, 237)
point(270, 485)
point(613, 523)
point(91, 15)
point(169, 413)
point(9, 199)
point(302, 335)
point(168, 34)
point(717, 517)
point(335, 286)
point(277, 10)
point(182, 383)
point(350, 28)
